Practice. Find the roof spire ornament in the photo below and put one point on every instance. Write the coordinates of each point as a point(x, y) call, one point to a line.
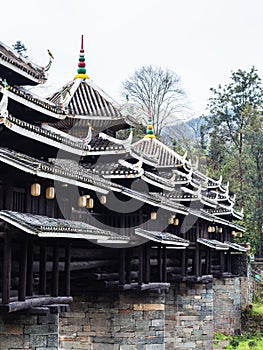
point(149, 131)
point(81, 70)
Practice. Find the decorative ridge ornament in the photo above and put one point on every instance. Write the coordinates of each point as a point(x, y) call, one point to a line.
point(149, 131)
point(81, 70)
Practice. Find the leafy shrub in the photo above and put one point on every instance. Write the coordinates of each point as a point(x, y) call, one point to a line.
point(234, 342)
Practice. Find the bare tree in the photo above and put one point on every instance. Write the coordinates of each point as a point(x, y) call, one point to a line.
point(159, 90)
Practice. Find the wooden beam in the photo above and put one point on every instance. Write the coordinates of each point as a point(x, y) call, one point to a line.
point(7, 259)
point(198, 279)
point(137, 286)
point(108, 276)
point(147, 263)
point(23, 270)
point(34, 302)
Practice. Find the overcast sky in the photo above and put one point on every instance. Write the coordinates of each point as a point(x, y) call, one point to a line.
point(201, 40)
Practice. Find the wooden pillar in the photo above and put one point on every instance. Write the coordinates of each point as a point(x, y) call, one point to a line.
point(8, 202)
point(159, 258)
point(164, 264)
point(222, 262)
point(229, 265)
point(55, 272)
point(67, 269)
point(122, 267)
point(140, 274)
point(7, 260)
point(27, 199)
point(147, 263)
point(128, 265)
point(43, 268)
point(23, 271)
point(197, 260)
point(30, 260)
point(184, 273)
point(207, 262)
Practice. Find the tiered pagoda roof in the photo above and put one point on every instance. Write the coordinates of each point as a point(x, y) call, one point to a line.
point(84, 110)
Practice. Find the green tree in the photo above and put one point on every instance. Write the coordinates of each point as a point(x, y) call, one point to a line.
point(236, 145)
point(254, 139)
point(20, 48)
point(231, 108)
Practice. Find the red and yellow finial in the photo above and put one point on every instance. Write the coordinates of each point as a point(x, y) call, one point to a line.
point(81, 70)
point(149, 131)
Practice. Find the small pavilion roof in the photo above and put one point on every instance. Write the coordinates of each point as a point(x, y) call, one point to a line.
point(155, 153)
point(81, 97)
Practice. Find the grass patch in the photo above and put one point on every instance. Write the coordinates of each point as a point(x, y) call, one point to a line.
point(257, 308)
point(252, 343)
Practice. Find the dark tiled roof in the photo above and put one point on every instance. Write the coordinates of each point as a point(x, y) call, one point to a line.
point(100, 144)
point(16, 92)
point(236, 246)
point(44, 226)
point(155, 153)
point(107, 169)
point(75, 145)
point(9, 56)
point(213, 243)
point(83, 98)
point(162, 237)
point(68, 170)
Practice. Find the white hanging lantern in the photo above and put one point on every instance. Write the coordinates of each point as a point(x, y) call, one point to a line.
point(234, 233)
point(171, 220)
point(220, 229)
point(153, 215)
point(176, 222)
point(209, 229)
point(90, 203)
point(50, 192)
point(82, 201)
point(35, 189)
point(103, 199)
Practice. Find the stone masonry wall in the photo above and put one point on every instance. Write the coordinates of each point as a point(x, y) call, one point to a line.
point(189, 317)
point(184, 318)
point(120, 321)
point(20, 331)
point(227, 305)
